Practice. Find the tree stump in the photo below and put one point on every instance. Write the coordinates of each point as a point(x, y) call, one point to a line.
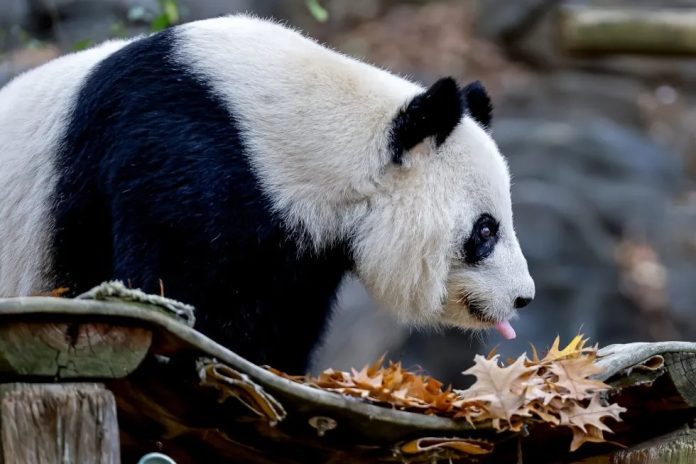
point(58, 424)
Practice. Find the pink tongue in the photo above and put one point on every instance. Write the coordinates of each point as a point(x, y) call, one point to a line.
point(505, 329)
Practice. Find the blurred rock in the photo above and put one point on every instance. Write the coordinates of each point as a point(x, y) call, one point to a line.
point(591, 95)
point(12, 12)
point(680, 255)
point(618, 173)
point(502, 20)
point(524, 28)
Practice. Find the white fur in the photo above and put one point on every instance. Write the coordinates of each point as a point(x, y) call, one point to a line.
point(34, 110)
point(317, 124)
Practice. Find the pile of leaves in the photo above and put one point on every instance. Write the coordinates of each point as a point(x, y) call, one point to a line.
point(557, 389)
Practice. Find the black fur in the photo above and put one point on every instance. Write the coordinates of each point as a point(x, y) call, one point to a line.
point(476, 249)
point(478, 103)
point(434, 113)
point(154, 183)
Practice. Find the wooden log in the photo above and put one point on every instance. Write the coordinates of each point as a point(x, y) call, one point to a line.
point(682, 370)
point(675, 448)
point(58, 424)
point(628, 30)
point(65, 350)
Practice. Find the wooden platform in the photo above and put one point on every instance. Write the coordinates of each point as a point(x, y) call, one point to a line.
point(177, 392)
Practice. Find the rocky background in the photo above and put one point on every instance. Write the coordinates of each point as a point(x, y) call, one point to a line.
point(602, 147)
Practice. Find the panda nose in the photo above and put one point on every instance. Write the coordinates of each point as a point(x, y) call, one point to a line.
point(521, 302)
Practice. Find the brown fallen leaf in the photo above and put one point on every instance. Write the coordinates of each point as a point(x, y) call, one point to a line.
point(590, 416)
point(501, 387)
point(542, 412)
point(574, 377)
point(580, 437)
point(361, 379)
point(557, 389)
point(573, 349)
point(56, 292)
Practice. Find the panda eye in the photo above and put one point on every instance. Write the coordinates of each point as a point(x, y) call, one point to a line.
point(482, 241)
point(487, 228)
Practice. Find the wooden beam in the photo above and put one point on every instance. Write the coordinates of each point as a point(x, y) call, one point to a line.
point(58, 424)
point(628, 30)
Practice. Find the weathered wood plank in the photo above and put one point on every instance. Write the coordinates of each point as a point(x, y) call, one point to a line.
point(65, 350)
point(58, 424)
point(614, 359)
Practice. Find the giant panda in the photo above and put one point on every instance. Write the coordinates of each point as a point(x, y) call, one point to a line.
point(246, 169)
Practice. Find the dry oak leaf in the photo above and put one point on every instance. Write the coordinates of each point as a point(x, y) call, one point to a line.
point(543, 413)
point(362, 379)
point(573, 376)
point(592, 415)
point(502, 388)
point(539, 388)
point(392, 385)
point(573, 349)
point(593, 435)
point(56, 292)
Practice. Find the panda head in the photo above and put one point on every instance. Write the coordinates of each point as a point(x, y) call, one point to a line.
point(436, 243)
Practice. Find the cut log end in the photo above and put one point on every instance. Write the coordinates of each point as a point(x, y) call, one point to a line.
point(58, 423)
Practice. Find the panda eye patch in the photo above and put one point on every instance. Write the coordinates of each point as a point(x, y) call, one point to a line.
point(481, 242)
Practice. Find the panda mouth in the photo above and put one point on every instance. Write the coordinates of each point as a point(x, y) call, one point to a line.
point(503, 327)
point(476, 310)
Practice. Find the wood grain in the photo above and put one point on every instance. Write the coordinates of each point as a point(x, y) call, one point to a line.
point(65, 350)
point(59, 424)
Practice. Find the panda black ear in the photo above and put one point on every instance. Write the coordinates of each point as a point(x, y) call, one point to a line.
point(435, 112)
point(478, 103)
